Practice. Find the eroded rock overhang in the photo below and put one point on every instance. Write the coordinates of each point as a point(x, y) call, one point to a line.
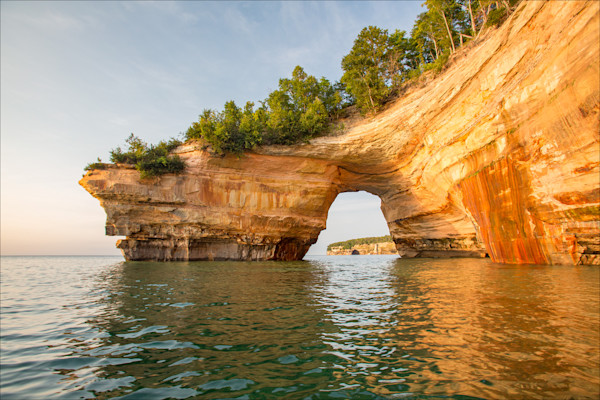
point(497, 155)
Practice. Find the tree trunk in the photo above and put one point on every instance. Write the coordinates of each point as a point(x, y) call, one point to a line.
point(484, 20)
point(461, 35)
point(437, 52)
point(369, 92)
point(473, 27)
point(448, 30)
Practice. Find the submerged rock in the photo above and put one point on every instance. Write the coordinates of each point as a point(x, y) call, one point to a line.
point(499, 154)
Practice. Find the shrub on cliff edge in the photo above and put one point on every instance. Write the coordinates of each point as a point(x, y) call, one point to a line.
point(95, 165)
point(150, 160)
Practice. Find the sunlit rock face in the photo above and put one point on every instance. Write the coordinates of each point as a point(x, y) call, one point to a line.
point(364, 249)
point(498, 155)
point(254, 207)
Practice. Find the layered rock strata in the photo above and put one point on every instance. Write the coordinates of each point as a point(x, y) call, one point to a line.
point(497, 155)
point(254, 207)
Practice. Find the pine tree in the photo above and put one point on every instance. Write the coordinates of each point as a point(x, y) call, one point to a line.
point(369, 68)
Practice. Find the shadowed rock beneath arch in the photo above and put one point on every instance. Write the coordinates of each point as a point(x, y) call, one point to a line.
point(499, 154)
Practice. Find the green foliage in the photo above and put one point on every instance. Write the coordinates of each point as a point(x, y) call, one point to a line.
point(370, 66)
point(450, 19)
point(379, 62)
point(150, 160)
point(496, 17)
point(348, 244)
point(233, 130)
point(438, 64)
point(95, 165)
point(303, 107)
point(153, 165)
point(298, 110)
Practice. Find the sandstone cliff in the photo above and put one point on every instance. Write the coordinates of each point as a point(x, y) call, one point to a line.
point(499, 154)
point(364, 249)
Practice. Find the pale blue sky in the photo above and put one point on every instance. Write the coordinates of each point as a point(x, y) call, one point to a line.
point(78, 76)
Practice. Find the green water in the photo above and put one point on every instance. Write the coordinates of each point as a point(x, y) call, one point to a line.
point(359, 327)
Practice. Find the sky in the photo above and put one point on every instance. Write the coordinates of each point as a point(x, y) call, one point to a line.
point(77, 77)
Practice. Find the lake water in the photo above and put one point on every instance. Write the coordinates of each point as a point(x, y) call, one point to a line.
point(359, 327)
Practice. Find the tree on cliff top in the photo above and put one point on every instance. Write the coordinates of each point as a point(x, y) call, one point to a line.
point(448, 13)
point(367, 68)
point(377, 62)
point(303, 106)
point(426, 34)
point(298, 110)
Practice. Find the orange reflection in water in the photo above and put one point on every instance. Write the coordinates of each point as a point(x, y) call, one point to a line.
point(498, 331)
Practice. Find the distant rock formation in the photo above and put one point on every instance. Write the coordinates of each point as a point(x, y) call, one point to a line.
point(499, 154)
point(364, 249)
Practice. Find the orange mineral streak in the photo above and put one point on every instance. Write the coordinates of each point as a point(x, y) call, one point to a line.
point(497, 197)
point(499, 154)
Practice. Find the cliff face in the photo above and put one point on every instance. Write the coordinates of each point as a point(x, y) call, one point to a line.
point(499, 154)
point(364, 249)
point(252, 207)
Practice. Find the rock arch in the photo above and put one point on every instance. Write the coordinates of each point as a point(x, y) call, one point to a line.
point(498, 154)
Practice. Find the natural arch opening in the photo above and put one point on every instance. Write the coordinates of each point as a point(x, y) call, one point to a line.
point(352, 215)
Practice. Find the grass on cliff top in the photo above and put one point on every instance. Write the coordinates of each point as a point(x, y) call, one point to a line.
point(348, 244)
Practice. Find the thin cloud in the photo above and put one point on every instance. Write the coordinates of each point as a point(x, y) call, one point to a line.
point(168, 8)
point(78, 77)
point(239, 22)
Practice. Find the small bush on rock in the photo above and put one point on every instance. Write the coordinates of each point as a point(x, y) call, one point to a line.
point(150, 160)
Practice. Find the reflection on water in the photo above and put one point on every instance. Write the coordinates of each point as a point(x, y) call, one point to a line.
point(217, 327)
point(500, 331)
point(330, 327)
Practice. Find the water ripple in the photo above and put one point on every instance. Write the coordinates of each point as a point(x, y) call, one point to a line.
point(355, 327)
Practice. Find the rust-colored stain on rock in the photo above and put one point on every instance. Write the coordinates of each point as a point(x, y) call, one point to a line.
point(497, 198)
